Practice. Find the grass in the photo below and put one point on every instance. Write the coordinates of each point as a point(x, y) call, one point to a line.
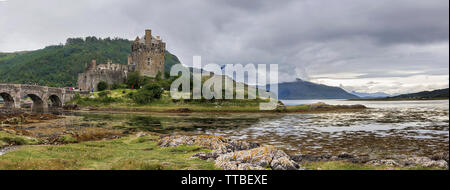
point(67, 138)
point(342, 165)
point(298, 107)
point(117, 93)
point(119, 99)
point(128, 153)
point(10, 139)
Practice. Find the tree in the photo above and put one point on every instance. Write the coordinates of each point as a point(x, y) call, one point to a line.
point(148, 93)
point(158, 76)
point(102, 86)
point(135, 80)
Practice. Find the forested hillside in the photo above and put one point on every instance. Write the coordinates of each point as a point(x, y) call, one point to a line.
point(425, 95)
point(59, 65)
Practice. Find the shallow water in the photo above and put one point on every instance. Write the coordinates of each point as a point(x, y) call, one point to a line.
point(387, 129)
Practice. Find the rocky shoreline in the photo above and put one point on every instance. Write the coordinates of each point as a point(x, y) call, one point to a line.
point(17, 117)
point(435, 161)
point(6, 149)
point(230, 154)
point(226, 153)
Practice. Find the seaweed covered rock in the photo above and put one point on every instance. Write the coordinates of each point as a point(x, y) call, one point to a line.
point(218, 145)
point(71, 107)
point(387, 162)
point(426, 162)
point(440, 156)
point(230, 154)
point(267, 157)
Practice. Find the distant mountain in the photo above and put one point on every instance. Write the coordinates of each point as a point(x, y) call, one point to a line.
point(371, 95)
point(59, 65)
point(425, 95)
point(301, 90)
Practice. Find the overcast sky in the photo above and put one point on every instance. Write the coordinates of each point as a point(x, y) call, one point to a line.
point(363, 45)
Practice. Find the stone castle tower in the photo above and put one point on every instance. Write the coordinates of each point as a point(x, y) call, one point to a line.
point(147, 54)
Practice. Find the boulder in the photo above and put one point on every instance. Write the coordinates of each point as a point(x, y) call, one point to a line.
point(383, 162)
point(426, 162)
point(70, 107)
point(267, 157)
point(218, 145)
point(440, 156)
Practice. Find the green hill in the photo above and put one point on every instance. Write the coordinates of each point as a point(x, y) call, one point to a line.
point(59, 65)
point(425, 95)
point(441, 94)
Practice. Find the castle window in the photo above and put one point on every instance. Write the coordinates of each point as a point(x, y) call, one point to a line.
point(149, 61)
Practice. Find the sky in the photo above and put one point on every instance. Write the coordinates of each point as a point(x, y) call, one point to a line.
point(387, 46)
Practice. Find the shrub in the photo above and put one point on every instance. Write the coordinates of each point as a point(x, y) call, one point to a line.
point(77, 96)
point(102, 86)
point(65, 139)
point(115, 86)
point(129, 95)
point(14, 140)
point(103, 94)
point(158, 76)
point(135, 80)
point(119, 86)
point(147, 94)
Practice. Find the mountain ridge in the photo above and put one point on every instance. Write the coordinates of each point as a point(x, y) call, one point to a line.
point(371, 95)
point(301, 90)
point(433, 94)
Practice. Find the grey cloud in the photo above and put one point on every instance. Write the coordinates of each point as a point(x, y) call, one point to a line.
point(305, 37)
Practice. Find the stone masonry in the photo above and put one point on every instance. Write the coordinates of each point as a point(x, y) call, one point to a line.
point(43, 97)
point(147, 53)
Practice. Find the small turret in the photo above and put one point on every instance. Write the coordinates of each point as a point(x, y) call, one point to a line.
point(92, 66)
point(148, 37)
point(108, 64)
point(129, 60)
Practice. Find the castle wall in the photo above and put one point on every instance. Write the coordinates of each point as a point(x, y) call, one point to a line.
point(148, 62)
point(88, 80)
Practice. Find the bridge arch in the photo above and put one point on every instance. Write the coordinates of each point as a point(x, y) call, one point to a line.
point(38, 103)
point(8, 100)
point(55, 101)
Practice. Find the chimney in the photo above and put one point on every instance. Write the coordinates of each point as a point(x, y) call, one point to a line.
point(148, 36)
point(158, 38)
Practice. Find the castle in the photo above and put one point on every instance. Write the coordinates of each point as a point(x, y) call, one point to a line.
point(147, 58)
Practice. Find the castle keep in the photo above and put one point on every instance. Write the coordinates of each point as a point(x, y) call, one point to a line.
point(147, 53)
point(147, 58)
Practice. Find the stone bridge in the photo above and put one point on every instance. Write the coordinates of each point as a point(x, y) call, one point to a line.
point(43, 97)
